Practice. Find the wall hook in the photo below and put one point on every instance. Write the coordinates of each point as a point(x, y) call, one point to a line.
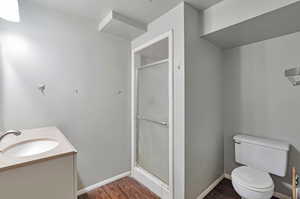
point(42, 88)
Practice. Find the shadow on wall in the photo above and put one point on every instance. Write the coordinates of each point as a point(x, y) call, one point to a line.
point(232, 101)
point(80, 184)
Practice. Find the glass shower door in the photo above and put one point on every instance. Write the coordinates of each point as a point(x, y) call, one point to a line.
point(152, 130)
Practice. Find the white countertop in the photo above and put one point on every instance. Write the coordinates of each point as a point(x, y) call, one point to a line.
point(64, 147)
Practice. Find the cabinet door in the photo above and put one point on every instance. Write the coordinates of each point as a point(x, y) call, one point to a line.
point(50, 179)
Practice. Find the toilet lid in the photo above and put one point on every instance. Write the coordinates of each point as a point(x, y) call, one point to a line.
point(252, 178)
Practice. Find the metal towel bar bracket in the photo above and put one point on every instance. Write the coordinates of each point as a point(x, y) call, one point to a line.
point(293, 75)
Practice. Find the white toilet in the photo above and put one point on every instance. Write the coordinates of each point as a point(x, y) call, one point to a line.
point(260, 156)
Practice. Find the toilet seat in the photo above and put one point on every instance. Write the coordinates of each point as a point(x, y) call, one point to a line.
point(252, 179)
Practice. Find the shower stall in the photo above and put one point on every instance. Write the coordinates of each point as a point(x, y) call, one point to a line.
point(177, 131)
point(152, 114)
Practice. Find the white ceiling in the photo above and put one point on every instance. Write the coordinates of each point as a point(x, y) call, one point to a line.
point(141, 10)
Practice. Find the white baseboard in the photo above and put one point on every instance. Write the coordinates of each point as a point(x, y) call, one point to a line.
point(227, 176)
point(151, 182)
point(104, 182)
point(211, 187)
point(276, 194)
point(156, 190)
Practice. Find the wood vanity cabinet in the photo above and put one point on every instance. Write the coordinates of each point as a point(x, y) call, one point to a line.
point(53, 178)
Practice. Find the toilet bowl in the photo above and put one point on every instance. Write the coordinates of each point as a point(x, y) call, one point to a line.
point(251, 183)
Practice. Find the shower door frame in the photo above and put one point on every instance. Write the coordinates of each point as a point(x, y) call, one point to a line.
point(152, 182)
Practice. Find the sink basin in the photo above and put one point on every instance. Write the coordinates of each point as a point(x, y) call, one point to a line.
point(30, 148)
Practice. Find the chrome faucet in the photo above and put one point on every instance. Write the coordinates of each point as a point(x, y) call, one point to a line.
point(14, 132)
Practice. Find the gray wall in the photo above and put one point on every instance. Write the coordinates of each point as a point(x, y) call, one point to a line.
point(68, 54)
point(259, 100)
point(203, 106)
point(232, 12)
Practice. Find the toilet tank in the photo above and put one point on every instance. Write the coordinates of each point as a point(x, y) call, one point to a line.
point(263, 154)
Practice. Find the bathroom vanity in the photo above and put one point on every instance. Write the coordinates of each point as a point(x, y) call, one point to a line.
point(40, 163)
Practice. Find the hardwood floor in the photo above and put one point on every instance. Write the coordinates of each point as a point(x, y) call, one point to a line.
point(125, 188)
point(224, 190)
point(128, 188)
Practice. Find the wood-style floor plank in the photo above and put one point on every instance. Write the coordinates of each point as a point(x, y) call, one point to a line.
point(224, 190)
point(95, 194)
point(125, 188)
point(137, 188)
point(142, 188)
point(114, 191)
point(128, 188)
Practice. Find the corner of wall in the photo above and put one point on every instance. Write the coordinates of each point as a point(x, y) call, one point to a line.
point(203, 82)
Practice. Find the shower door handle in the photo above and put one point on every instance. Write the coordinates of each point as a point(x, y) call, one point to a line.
point(163, 123)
